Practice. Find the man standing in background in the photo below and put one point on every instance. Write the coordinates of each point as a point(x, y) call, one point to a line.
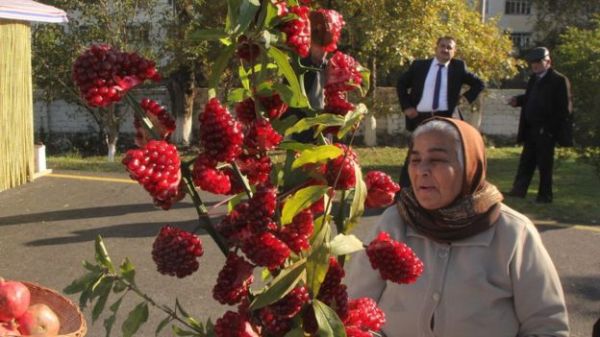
point(545, 120)
point(432, 88)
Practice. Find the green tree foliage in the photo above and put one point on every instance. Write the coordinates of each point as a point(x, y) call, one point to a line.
point(578, 57)
point(394, 33)
point(554, 16)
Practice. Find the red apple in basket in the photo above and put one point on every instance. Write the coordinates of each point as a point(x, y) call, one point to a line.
point(9, 329)
point(40, 321)
point(14, 299)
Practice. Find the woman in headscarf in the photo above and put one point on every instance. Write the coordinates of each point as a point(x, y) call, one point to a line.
point(486, 271)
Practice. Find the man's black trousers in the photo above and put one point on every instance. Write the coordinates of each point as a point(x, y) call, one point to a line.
point(538, 151)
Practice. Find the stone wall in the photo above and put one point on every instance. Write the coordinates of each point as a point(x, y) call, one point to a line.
point(498, 118)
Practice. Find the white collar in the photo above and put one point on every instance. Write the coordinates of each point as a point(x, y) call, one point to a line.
point(436, 62)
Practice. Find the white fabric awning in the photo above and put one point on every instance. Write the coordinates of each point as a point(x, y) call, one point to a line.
point(28, 10)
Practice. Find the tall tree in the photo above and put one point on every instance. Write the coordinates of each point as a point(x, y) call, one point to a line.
point(123, 24)
point(554, 16)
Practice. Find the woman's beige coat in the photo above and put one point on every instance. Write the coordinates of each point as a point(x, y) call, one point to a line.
point(499, 283)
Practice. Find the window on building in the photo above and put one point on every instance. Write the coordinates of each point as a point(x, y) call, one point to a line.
point(138, 33)
point(518, 7)
point(521, 40)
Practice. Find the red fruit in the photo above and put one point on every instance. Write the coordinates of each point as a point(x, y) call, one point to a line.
point(9, 329)
point(234, 226)
point(156, 167)
point(247, 50)
point(208, 178)
point(336, 103)
point(342, 169)
point(298, 30)
point(333, 279)
point(245, 111)
point(233, 324)
point(266, 250)
point(163, 123)
point(395, 260)
point(233, 281)
point(354, 331)
point(39, 320)
point(277, 317)
point(257, 168)
point(175, 252)
point(261, 137)
point(221, 135)
point(342, 73)
point(273, 105)
point(14, 299)
point(326, 27)
point(381, 189)
point(296, 235)
point(364, 313)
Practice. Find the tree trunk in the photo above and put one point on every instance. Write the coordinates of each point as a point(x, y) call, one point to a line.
point(477, 112)
point(112, 123)
point(370, 121)
point(182, 92)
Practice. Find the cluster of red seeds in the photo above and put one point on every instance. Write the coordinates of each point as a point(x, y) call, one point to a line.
point(234, 280)
point(261, 137)
point(221, 134)
point(162, 121)
point(342, 169)
point(381, 189)
point(364, 314)
point(104, 74)
point(328, 23)
point(297, 234)
point(247, 50)
point(277, 317)
point(298, 30)
point(156, 167)
point(234, 324)
point(395, 260)
point(175, 252)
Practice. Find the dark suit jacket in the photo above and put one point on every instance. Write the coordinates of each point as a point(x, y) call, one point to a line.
point(411, 83)
point(556, 106)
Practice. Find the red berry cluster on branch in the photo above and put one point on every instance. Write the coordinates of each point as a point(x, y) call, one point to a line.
point(340, 171)
point(395, 260)
point(104, 74)
point(175, 252)
point(156, 166)
point(297, 30)
point(363, 315)
point(326, 27)
point(234, 280)
point(162, 121)
point(381, 189)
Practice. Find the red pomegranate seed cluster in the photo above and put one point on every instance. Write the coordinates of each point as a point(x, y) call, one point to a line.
point(297, 234)
point(261, 137)
point(364, 314)
point(221, 135)
point(103, 74)
point(175, 252)
point(274, 106)
point(257, 168)
point(162, 121)
point(381, 189)
point(328, 23)
point(277, 317)
point(233, 324)
point(342, 169)
point(298, 30)
point(395, 261)
point(247, 50)
point(234, 280)
point(156, 167)
point(245, 111)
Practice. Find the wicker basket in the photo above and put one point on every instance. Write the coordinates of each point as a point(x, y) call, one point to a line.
point(72, 323)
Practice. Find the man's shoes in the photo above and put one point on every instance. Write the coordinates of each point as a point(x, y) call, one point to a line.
point(543, 199)
point(515, 194)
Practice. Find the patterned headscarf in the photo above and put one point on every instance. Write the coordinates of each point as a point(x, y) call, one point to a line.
point(475, 209)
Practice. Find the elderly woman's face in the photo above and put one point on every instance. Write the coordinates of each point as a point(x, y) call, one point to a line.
point(435, 172)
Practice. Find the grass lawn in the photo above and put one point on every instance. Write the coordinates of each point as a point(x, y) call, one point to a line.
point(576, 186)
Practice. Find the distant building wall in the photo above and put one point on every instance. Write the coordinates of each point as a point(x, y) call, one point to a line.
point(498, 118)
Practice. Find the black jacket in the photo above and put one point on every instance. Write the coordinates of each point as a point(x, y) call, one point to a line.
point(554, 90)
point(411, 83)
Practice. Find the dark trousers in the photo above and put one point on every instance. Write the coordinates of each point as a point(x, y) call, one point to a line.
point(538, 151)
point(411, 125)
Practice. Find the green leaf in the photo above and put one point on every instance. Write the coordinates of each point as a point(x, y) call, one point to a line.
point(317, 154)
point(137, 317)
point(233, 12)
point(189, 319)
point(316, 268)
point(271, 13)
point(102, 292)
point(128, 271)
point(329, 323)
point(102, 255)
point(357, 207)
point(290, 96)
point(309, 122)
point(207, 35)
point(351, 119)
point(162, 325)
point(343, 244)
point(294, 145)
point(281, 285)
point(110, 321)
point(181, 332)
point(219, 66)
point(82, 283)
point(281, 59)
point(365, 75)
point(301, 200)
point(297, 332)
point(244, 77)
point(237, 95)
point(248, 11)
point(282, 124)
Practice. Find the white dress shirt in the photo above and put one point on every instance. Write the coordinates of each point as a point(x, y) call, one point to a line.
point(426, 103)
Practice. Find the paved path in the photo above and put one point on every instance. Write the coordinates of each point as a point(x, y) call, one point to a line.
point(48, 227)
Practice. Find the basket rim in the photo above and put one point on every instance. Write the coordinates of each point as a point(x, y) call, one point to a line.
point(82, 330)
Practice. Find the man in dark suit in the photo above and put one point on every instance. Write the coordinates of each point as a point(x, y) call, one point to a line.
point(433, 88)
point(545, 120)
